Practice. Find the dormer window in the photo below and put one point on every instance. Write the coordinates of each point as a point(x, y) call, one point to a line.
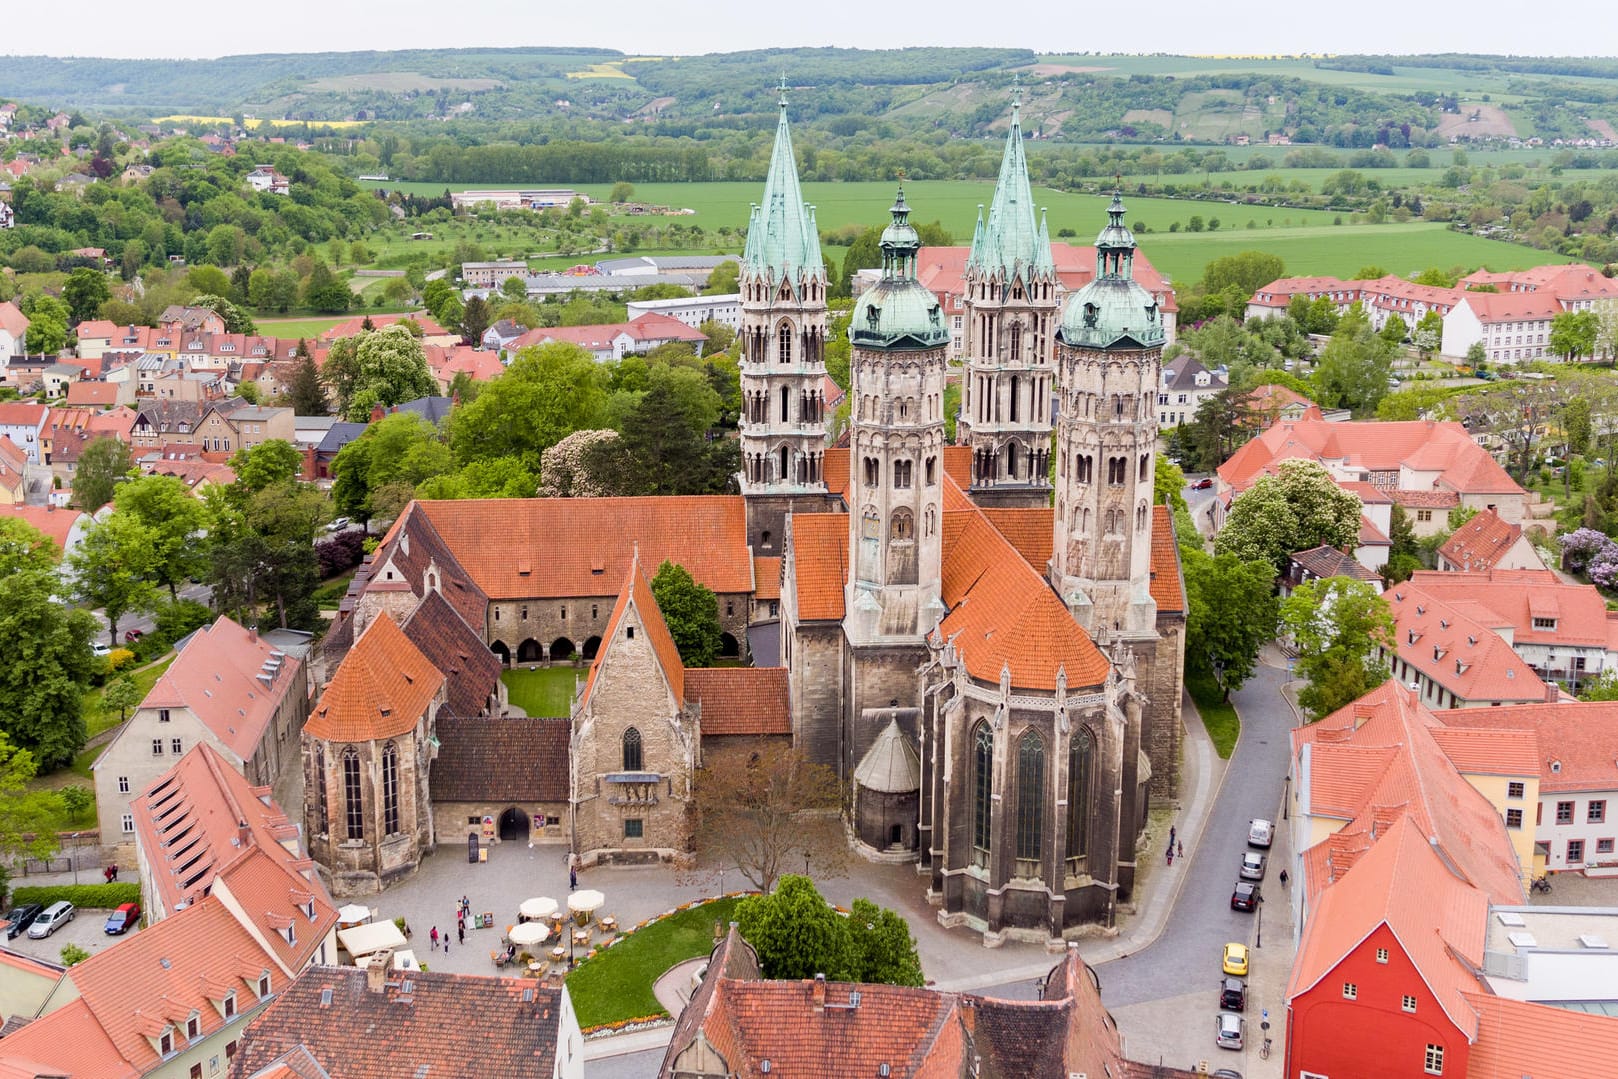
point(228, 1005)
point(193, 1027)
point(165, 1042)
point(263, 985)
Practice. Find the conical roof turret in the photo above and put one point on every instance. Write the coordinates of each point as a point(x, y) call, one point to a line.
point(898, 311)
point(781, 237)
point(1013, 241)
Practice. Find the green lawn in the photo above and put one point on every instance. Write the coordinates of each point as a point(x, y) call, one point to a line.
point(547, 691)
point(98, 719)
point(1217, 716)
point(330, 593)
point(298, 327)
point(616, 984)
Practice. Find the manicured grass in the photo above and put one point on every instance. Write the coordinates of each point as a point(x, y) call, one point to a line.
point(330, 593)
point(615, 985)
point(98, 719)
point(298, 327)
point(546, 691)
point(1217, 715)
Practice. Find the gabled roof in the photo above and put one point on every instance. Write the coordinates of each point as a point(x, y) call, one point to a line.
point(766, 578)
point(275, 899)
point(231, 679)
point(502, 758)
point(12, 320)
point(68, 1042)
point(1516, 597)
point(637, 593)
point(1521, 1038)
point(819, 564)
point(740, 700)
point(1577, 740)
point(446, 1026)
point(783, 243)
point(382, 688)
point(1437, 918)
point(1327, 562)
point(1168, 584)
point(471, 672)
point(1481, 542)
point(57, 524)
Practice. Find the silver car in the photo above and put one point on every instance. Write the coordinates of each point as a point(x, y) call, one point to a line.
point(1252, 865)
point(1228, 1030)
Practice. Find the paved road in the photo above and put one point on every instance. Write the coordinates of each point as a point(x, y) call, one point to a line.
point(202, 593)
point(629, 1066)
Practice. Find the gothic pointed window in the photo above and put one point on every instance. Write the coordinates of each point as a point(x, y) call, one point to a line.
point(784, 343)
point(390, 789)
point(982, 792)
point(353, 802)
point(632, 756)
point(322, 803)
point(1080, 762)
point(1145, 464)
point(1030, 803)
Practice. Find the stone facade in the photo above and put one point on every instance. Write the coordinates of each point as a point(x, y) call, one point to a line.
point(367, 844)
point(556, 629)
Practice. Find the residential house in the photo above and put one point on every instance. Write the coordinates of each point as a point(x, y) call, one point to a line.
point(476, 364)
point(1322, 564)
point(13, 473)
point(268, 178)
point(166, 420)
point(174, 999)
point(135, 172)
point(25, 984)
point(197, 474)
point(1486, 543)
point(1413, 463)
point(491, 274)
point(448, 1026)
point(8, 216)
point(1381, 298)
point(501, 334)
point(693, 310)
point(58, 377)
point(739, 1023)
point(614, 341)
point(96, 337)
point(1453, 659)
point(13, 326)
point(179, 318)
point(338, 435)
point(431, 332)
point(1186, 384)
point(226, 428)
point(65, 528)
point(1562, 630)
point(227, 688)
point(24, 423)
point(100, 395)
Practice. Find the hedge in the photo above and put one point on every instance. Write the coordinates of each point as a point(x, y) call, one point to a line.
point(92, 896)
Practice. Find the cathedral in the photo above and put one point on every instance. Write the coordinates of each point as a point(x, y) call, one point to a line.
point(983, 638)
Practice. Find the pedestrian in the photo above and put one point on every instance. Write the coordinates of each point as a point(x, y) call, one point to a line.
point(572, 878)
point(466, 905)
point(115, 872)
point(106, 874)
point(1170, 860)
point(433, 936)
point(460, 933)
point(1283, 878)
point(1179, 850)
point(1171, 835)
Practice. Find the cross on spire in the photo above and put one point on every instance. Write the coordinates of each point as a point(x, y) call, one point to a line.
point(1016, 96)
point(782, 100)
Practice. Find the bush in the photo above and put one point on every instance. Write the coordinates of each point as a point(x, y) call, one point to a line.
point(173, 621)
point(119, 658)
point(91, 896)
point(340, 553)
point(72, 955)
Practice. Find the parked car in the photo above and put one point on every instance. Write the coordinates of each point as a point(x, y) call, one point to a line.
point(1228, 1030)
point(100, 648)
point(338, 525)
point(1252, 865)
point(1203, 484)
point(20, 918)
point(1260, 833)
point(123, 919)
point(1232, 994)
point(51, 919)
point(1246, 896)
point(1235, 960)
point(1224, 1073)
point(133, 635)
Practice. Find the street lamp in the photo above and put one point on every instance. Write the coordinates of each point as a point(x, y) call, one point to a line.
point(1258, 909)
point(72, 857)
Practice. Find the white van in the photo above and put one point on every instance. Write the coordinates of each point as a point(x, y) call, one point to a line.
point(51, 919)
point(1260, 833)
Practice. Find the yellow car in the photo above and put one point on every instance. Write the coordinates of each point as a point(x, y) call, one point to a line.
point(1236, 960)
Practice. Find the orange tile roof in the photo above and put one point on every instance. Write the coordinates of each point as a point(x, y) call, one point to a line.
point(834, 470)
point(1489, 752)
point(1521, 1038)
point(188, 823)
point(1168, 585)
point(958, 465)
point(637, 591)
point(429, 328)
point(740, 700)
point(1462, 654)
point(232, 680)
point(1481, 542)
point(1031, 531)
point(381, 689)
point(1579, 738)
point(766, 578)
point(819, 564)
point(100, 394)
point(274, 897)
point(1003, 615)
point(1512, 306)
point(56, 524)
point(540, 547)
point(1515, 597)
point(66, 1042)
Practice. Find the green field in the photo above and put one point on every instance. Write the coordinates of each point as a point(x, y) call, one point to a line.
point(297, 327)
point(545, 691)
point(615, 985)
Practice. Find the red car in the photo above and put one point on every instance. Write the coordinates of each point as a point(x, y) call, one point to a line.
point(1203, 484)
point(133, 635)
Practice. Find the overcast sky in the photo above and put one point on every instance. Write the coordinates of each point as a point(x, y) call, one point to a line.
point(193, 28)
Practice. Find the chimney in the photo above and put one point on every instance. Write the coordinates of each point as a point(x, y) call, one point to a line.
point(243, 835)
point(376, 975)
point(820, 992)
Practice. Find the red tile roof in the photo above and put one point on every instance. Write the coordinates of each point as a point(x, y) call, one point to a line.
point(502, 758)
point(1515, 597)
point(56, 524)
point(766, 578)
point(231, 679)
point(22, 414)
point(67, 1042)
point(1031, 531)
point(943, 269)
point(544, 547)
point(12, 320)
point(349, 328)
point(1520, 1038)
point(819, 563)
point(95, 329)
point(1168, 585)
point(446, 1026)
point(1493, 307)
point(382, 688)
point(740, 700)
point(273, 898)
point(1481, 542)
point(1457, 651)
point(1577, 741)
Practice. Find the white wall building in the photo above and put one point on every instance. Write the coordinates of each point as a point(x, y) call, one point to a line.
point(694, 310)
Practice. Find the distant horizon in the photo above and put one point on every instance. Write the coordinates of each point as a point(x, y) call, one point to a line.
point(190, 29)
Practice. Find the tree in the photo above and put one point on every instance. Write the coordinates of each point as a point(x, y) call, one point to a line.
point(547, 393)
point(324, 292)
point(1232, 614)
point(1168, 483)
point(1577, 427)
point(474, 319)
point(1339, 626)
point(1296, 509)
point(512, 288)
point(269, 463)
point(103, 463)
point(724, 279)
point(754, 809)
point(26, 816)
point(622, 191)
point(664, 433)
point(692, 613)
point(1476, 355)
point(85, 290)
point(1574, 334)
point(720, 336)
point(881, 947)
point(585, 464)
point(1355, 365)
point(47, 325)
point(235, 319)
point(121, 695)
point(1248, 271)
point(1404, 555)
point(113, 569)
point(305, 393)
point(389, 367)
point(1394, 330)
point(177, 522)
point(796, 933)
point(48, 663)
point(1517, 412)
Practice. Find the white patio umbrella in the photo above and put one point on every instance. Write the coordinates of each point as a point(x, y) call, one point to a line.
point(529, 933)
point(586, 901)
point(353, 914)
point(537, 908)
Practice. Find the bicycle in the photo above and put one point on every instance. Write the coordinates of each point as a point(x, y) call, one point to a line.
point(1542, 884)
point(1264, 1050)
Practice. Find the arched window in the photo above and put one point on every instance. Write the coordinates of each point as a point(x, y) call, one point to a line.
point(902, 526)
point(1080, 761)
point(1145, 463)
point(322, 803)
point(982, 791)
point(353, 802)
point(1030, 803)
point(932, 471)
point(390, 789)
point(632, 755)
point(784, 343)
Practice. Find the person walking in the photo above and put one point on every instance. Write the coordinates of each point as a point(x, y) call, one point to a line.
point(1283, 878)
point(572, 878)
point(433, 936)
point(1179, 850)
point(460, 933)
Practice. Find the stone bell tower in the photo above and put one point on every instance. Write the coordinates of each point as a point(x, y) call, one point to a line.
point(1108, 356)
point(1010, 299)
point(783, 364)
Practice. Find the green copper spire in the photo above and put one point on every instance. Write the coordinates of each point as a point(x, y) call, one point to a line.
point(1113, 311)
point(1011, 241)
point(781, 237)
point(898, 312)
